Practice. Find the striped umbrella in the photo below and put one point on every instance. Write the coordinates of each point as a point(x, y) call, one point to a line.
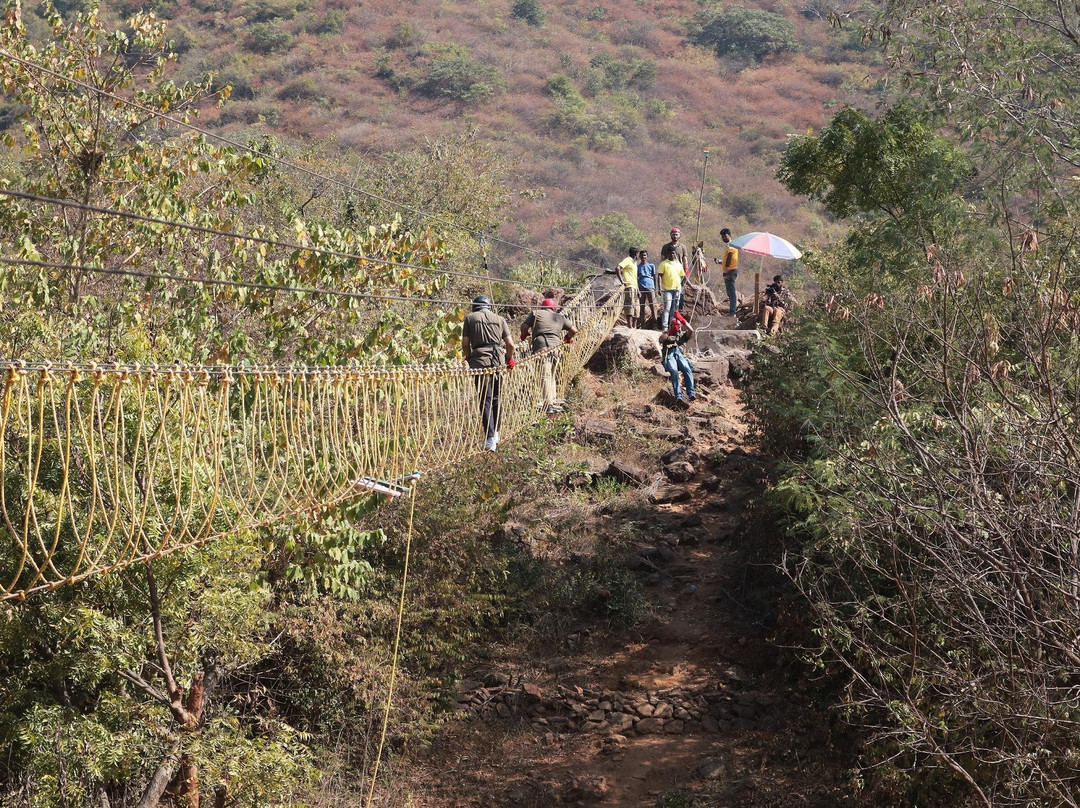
point(767, 244)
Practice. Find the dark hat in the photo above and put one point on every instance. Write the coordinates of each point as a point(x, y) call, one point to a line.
point(481, 302)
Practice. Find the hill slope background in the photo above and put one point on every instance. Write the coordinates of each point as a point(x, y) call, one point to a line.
point(603, 109)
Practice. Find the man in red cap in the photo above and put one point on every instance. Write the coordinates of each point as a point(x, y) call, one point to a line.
point(677, 250)
point(547, 327)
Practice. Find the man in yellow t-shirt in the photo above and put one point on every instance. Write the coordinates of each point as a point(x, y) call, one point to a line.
point(730, 266)
point(670, 274)
point(627, 271)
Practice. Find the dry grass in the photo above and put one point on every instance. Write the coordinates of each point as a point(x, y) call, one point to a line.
point(742, 115)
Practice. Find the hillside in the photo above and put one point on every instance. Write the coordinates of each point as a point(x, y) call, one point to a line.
point(613, 148)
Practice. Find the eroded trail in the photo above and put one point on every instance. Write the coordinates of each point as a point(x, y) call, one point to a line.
point(694, 706)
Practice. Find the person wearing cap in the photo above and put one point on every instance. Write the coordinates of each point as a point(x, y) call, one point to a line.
point(730, 266)
point(670, 275)
point(676, 248)
point(646, 284)
point(628, 275)
point(675, 361)
point(548, 329)
point(486, 344)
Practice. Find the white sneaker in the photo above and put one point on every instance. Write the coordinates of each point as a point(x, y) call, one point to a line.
point(490, 445)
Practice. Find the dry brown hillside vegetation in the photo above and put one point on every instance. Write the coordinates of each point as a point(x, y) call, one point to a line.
point(605, 107)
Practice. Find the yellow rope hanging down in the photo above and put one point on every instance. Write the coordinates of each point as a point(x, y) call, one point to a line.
point(105, 466)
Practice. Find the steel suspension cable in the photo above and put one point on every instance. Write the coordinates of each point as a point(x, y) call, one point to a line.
point(283, 161)
point(69, 203)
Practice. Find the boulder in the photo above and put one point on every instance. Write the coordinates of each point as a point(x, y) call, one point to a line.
point(680, 471)
point(666, 494)
point(626, 473)
point(711, 768)
point(635, 345)
point(595, 430)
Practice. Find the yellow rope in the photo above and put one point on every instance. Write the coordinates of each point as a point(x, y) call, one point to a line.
point(105, 466)
point(394, 655)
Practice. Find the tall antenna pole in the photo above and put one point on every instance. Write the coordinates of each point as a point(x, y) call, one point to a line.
point(697, 235)
point(701, 195)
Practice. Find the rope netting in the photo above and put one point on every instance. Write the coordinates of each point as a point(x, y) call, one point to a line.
point(105, 466)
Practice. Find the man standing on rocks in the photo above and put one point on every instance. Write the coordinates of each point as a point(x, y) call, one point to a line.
point(677, 250)
point(486, 345)
point(730, 266)
point(628, 275)
point(646, 279)
point(548, 328)
point(670, 274)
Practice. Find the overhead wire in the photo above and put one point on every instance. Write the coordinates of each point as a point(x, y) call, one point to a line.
point(139, 217)
point(256, 285)
point(286, 162)
point(195, 279)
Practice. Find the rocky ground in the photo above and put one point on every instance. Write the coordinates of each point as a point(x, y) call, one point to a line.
point(697, 704)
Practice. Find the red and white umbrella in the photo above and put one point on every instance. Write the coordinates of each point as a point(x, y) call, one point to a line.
point(767, 244)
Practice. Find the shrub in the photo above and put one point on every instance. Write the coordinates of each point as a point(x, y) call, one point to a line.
point(268, 37)
point(615, 231)
point(747, 32)
point(405, 35)
point(332, 23)
point(300, 89)
point(268, 10)
point(458, 77)
point(529, 11)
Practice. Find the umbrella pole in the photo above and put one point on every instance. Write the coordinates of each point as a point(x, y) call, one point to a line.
point(757, 287)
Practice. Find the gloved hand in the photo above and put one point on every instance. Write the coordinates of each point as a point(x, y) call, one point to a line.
point(510, 363)
point(569, 340)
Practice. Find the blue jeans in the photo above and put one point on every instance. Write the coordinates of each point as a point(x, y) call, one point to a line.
point(729, 285)
point(674, 363)
point(671, 301)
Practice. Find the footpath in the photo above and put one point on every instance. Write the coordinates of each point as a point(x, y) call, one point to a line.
point(697, 704)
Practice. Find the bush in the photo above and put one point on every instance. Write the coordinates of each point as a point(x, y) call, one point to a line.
point(405, 35)
point(268, 37)
point(529, 11)
point(615, 231)
point(746, 32)
point(300, 89)
point(332, 23)
point(458, 77)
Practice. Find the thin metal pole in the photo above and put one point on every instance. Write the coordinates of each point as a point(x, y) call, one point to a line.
point(697, 238)
point(701, 195)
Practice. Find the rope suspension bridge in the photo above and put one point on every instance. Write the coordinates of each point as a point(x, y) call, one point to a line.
point(105, 466)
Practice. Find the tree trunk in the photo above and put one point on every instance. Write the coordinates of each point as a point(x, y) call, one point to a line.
point(151, 796)
point(189, 769)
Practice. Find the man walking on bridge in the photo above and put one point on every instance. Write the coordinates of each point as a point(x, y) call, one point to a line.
point(547, 327)
point(486, 343)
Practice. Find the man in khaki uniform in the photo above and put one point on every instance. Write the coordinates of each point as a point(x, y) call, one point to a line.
point(486, 343)
point(547, 327)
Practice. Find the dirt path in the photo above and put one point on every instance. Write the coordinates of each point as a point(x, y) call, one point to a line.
point(696, 706)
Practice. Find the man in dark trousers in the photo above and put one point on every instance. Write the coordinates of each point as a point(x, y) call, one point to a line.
point(729, 264)
point(677, 250)
point(486, 343)
point(547, 327)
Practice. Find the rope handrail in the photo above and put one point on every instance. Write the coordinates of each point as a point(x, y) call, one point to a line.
point(103, 466)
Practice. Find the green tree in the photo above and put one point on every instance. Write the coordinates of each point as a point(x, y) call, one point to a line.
point(530, 11)
point(932, 475)
point(751, 33)
point(615, 232)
